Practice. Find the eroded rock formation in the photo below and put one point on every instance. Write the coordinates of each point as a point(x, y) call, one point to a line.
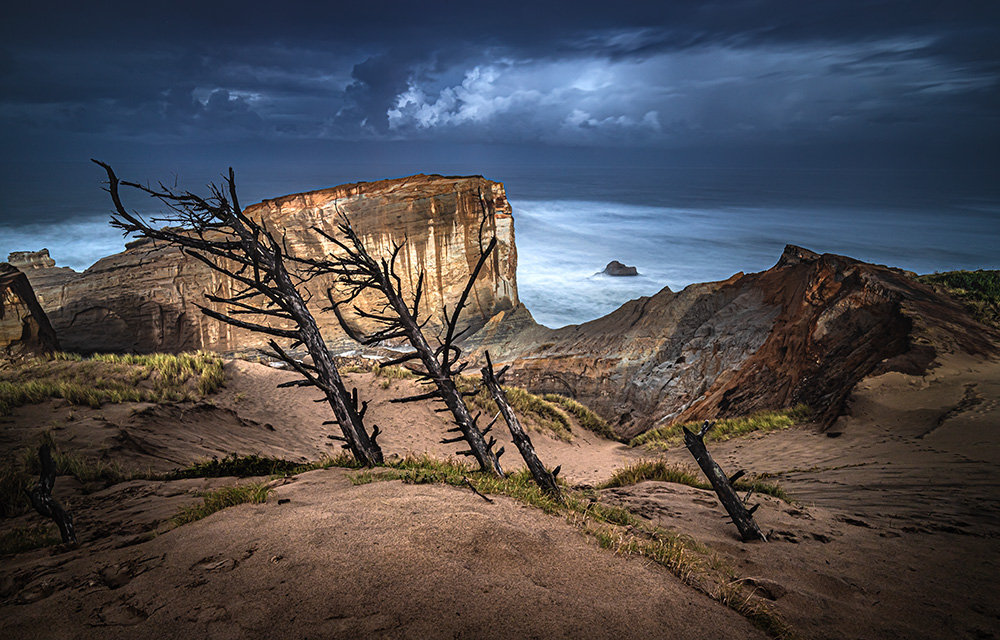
point(143, 299)
point(805, 331)
point(24, 328)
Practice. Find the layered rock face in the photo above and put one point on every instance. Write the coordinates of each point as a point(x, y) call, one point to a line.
point(805, 331)
point(143, 299)
point(24, 328)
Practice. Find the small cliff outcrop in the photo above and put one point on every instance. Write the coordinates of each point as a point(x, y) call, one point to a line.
point(143, 299)
point(805, 331)
point(24, 327)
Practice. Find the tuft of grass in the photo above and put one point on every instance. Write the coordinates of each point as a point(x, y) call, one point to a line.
point(979, 290)
point(219, 499)
point(19, 477)
point(587, 418)
point(660, 471)
point(392, 373)
point(735, 595)
point(245, 466)
point(662, 438)
point(26, 538)
point(534, 411)
point(112, 378)
point(653, 470)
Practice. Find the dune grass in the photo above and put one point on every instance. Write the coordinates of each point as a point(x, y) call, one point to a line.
point(252, 465)
point(587, 418)
point(221, 498)
point(21, 475)
point(660, 471)
point(663, 438)
point(978, 290)
point(112, 378)
point(534, 412)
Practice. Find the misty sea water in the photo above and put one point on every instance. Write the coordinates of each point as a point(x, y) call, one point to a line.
point(676, 226)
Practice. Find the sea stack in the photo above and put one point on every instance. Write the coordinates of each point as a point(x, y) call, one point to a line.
point(618, 269)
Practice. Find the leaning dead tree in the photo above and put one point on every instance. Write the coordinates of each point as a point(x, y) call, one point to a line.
point(723, 485)
point(215, 231)
point(359, 272)
point(543, 477)
point(44, 503)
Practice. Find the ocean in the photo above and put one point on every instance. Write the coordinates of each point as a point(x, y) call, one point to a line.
point(677, 226)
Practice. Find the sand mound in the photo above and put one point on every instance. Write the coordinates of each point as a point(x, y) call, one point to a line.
point(892, 532)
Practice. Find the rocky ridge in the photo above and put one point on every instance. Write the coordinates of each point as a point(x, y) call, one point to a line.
point(805, 331)
point(143, 299)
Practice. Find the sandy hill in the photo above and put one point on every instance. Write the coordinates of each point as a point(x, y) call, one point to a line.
point(890, 533)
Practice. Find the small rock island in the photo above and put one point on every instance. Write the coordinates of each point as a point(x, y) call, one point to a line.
point(616, 268)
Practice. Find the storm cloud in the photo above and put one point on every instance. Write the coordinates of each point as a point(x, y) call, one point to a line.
point(726, 75)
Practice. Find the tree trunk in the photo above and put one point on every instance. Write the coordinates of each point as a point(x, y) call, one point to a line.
point(542, 476)
point(723, 486)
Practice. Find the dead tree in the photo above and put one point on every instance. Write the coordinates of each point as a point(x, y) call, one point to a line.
point(723, 485)
point(215, 231)
point(543, 477)
point(359, 272)
point(44, 503)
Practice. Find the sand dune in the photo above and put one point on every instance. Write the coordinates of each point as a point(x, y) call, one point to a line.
point(891, 535)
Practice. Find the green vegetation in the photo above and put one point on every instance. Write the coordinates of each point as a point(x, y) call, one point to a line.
point(653, 470)
point(660, 471)
point(662, 438)
point(255, 465)
point(587, 418)
point(533, 411)
point(112, 378)
point(22, 475)
point(978, 290)
point(218, 499)
point(21, 539)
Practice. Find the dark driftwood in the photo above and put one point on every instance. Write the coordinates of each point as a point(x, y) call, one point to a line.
point(545, 479)
point(215, 231)
point(358, 271)
point(44, 503)
point(722, 484)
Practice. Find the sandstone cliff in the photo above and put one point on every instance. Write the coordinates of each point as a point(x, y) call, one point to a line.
point(805, 331)
point(143, 299)
point(24, 328)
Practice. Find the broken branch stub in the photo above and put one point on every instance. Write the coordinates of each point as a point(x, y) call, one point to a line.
point(742, 518)
point(44, 503)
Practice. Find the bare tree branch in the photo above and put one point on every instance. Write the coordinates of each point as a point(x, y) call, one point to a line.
point(248, 253)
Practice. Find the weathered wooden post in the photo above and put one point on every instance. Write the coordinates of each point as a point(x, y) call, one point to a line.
point(723, 484)
point(542, 476)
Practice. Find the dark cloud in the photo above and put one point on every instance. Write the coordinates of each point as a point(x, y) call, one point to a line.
point(630, 74)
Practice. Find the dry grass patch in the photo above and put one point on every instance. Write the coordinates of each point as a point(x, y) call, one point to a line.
point(112, 378)
point(219, 499)
point(534, 412)
point(662, 438)
point(660, 471)
point(587, 418)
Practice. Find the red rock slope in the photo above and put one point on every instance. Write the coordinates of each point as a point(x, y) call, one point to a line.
point(805, 331)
